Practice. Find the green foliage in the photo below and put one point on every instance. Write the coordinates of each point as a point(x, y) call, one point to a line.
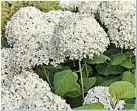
point(74, 102)
point(87, 71)
point(118, 58)
point(103, 70)
point(98, 59)
point(130, 104)
point(107, 68)
point(88, 83)
point(109, 80)
point(122, 90)
point(127, 64)
point(95, 106)
point(128, 76)
point(66, 81)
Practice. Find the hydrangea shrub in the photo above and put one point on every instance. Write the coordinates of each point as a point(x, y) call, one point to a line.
point(81, 56)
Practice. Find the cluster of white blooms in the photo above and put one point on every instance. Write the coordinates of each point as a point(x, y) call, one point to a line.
point(30, 23)
point(30, 32)
point(101, 94)
point(119, 17)
point(79, 36)
point(27, 91)
point(83, 7)
point(37, 37)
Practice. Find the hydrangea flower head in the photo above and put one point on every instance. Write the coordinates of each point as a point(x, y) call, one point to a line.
point(119, 17)
point(78, 36)
point(101, 94)
point(28, 91)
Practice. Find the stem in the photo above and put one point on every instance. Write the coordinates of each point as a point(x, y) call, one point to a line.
point(87, 71)
point(81, 77)
point(81, 68)
point(47, 76)
point(113, 102)
point(74, 64)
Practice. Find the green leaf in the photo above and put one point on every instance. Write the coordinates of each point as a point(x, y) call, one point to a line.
point(88, 83)
point(133, 79)
point(103, 69)
point(65, 81)
point(106, 69)
point(112, 51)
point(130, 101)
point(122, 90)
point(110, 81)
point(130, 106)
point(128, 76)
point(98, 59)
point(127, 64)
point(118, 58)
point(116, 69)
point(74, 92)
point(99, 80)
point(133, 58)
point(90, 106)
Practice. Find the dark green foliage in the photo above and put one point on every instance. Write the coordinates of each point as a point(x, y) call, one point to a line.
point(103, 70)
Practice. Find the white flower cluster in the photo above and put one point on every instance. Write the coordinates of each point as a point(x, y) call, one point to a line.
point(83, 7)
point(119, 17)
point(101, 94)
point(28, 91)
point(78, 37)
point(30, 33)
point(22, 89)
point(30, 23)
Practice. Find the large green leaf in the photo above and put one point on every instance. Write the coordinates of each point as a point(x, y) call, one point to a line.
point(98, 59)
point(118, 58)
point(88, 83)
point(94, 106)
point(127, 64)
point(65, 81)
point(121, 90)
